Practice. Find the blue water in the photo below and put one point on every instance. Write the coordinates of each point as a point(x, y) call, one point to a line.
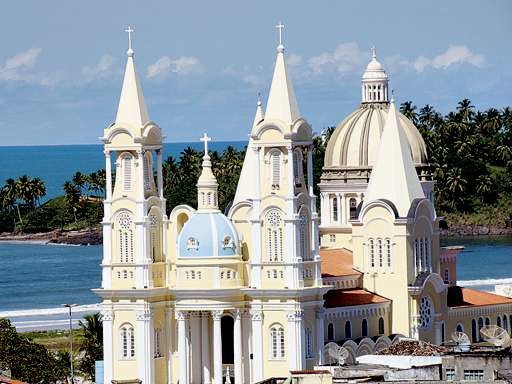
point(57, 164)
point(44, 276)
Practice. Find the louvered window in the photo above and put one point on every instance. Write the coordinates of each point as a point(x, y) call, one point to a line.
point(275, 162)
point(127, 173)
point(274, 231)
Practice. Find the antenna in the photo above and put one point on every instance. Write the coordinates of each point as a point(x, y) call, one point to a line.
point(495, 335)
point(336, 353)
point(462, 341)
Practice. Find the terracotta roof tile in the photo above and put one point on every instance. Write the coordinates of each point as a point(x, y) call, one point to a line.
point(6, 380)
point(473, 297)
point(349, 297)
point(337, 262)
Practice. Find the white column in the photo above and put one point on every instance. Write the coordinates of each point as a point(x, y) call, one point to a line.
point(181, 317)
point(144, 349)
point(159, 176)
point(196, 349)
point(106, 281)
point(320, 342)
point(107, 317)
point(237, 335)
point(108, 175)
point(340, 211)
point(205, 345)
point(217, 347)
point(293, 350)
point(257, 342)
point(255, 223)
point(310, 173)
point(169, 330)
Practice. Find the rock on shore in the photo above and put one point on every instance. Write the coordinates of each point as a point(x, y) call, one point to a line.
point(87, 236)
point(476, 230)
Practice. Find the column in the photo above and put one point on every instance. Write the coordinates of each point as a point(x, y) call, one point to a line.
point(237, 335)
point(108, 175)
point(107, 317)
point(106, 281)
point(255, 224)
point(293, 350)
point(196, 349)
point(144, 348)
point(181, 317)
point(217, 347)
point(340, 210)
point(320, 342)
point(257, 342)
point(310, 174)
point(169, 332)
point(205, 347)
point(159, 178)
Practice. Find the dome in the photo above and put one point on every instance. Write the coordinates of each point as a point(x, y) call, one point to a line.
point(355, 141)
point(208, 234)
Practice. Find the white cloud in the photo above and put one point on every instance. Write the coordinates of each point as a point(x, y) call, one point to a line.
point(15, 67)
point(455, 54)
point(293, 60)
point(346, 57)
point(182, 65)
point(101, 69)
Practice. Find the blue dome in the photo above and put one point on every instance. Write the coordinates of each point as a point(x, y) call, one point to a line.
point(208, 234)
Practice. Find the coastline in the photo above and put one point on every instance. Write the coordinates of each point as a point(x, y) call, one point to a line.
point(88, 236)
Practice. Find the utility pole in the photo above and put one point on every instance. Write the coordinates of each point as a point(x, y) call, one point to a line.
point(70, 306)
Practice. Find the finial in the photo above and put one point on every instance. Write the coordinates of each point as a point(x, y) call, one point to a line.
point(129, 30)
point(205, 139)
point(374, 53)
point(259, 100)
point(280, 27)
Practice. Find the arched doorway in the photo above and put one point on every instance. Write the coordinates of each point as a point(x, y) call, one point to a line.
point(227, 326)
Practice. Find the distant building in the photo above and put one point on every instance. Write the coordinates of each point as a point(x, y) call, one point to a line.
point(198, 296)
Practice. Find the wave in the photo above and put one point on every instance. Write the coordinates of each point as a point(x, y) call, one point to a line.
point(472, 283)
point(50, 311)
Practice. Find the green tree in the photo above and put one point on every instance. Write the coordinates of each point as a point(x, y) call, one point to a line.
point(91, 346)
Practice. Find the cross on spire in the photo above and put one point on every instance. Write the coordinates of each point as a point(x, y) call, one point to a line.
point(129, 30)
point(374, 53)
point(280, 28)
point(205, 139)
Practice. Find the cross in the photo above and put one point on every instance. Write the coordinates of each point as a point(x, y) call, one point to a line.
point(129, 30)
point(205, 139)
point(280, 27)
point(374, 53)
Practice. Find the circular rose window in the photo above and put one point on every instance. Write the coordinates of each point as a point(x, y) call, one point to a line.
point(426, 312)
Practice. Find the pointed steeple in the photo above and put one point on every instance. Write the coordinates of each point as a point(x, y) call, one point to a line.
point(282, 103)
point(259, 112)
point(393, 176)
point(132, 107)
point(207, 196)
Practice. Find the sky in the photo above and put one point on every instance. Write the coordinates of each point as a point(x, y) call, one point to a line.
point(202, 63)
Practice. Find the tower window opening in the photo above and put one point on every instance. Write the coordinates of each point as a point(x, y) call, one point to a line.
point(381, 256)
point(388, 251)
point(353, 208)
point(127, 342)
point(381, 325)
point(330, 332)
point(275, 162)
point(364, 328)
point(277, 342)
point(372, 253)
point(274, 224)
point(127, 173)
point(334, 209)
point(348, 329)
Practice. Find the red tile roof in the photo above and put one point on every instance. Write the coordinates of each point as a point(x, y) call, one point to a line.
point(472, 297)
point(6, 380)
point(337, 262)
point(349, 297)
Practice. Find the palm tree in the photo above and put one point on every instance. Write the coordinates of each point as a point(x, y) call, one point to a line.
point(484, 186)
point(38, 190)
point(25, 190)
point(408, 109)
point(465, 109)
point(455, 181)
point(80, 180)
point(72, 196)
point(92, 343)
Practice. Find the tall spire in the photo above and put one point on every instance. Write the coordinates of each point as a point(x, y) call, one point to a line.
point(393, 176)
point(259, 116)
point(282, 103)
point(207, 196)
point(132, 107)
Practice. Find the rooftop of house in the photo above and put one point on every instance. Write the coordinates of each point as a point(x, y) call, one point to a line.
point(350, 297)
point(460, 297)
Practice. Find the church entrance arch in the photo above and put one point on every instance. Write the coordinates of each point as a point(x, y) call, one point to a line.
point(227, 327)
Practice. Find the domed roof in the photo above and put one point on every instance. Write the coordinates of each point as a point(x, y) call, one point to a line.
point(355, 141)
point(208, 234)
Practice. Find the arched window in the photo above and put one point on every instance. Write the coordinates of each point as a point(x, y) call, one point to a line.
point(125, 233)
point(364, 328)
point(381, 325)
point(348, 329)
point(480, 326)
point(127, 341)
point(371, 251)
point(442, 332)
point(127, 172)
point(460, 328)
point(353, 208)
point(498, 321)
point(277, 342)
point(388, 252)
point(505, 322)
point(148, 172)
point(487, 321)
point(297, 165)
point(447, 276)
point(274, 234)
point(309, 343)
point(422, 260)
point(158, 343)
point(154, 231)
point(417, 255)
point(330, 332)
point(275, 163)
point(334, 209)
point(379, 249)
point(304, 235)
point(474, 331)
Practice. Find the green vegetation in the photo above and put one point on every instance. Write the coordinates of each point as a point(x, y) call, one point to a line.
point(470, 152)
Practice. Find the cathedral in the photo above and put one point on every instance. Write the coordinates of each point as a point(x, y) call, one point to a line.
point(196, 295)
